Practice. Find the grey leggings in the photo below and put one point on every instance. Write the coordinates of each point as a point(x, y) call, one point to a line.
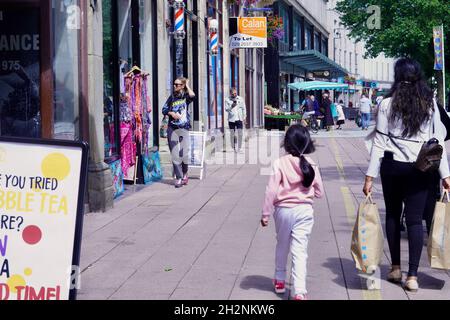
point(179, 148)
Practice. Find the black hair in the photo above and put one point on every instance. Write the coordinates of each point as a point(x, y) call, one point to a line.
point(297, 142)
point(412, 99)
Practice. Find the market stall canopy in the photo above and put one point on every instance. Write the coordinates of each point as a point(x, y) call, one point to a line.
point(312, 60)
point(317, 85)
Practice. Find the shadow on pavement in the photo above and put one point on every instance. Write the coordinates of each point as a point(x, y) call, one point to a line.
point(353, 278)
point(428, 282)
point(257, 282)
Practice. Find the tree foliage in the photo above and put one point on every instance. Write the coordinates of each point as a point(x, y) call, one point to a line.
point(406, 27)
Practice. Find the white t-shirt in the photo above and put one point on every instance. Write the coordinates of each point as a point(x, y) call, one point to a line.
point(365, 105)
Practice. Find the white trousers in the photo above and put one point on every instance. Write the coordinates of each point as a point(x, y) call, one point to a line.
point(294, 226)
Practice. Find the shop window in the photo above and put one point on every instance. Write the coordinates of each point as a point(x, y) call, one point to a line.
point(110, 83)
point(308, 37)
point(325, 47)
point(297, 45)
point(24, 112)
point(285, 16)
point(66, 76)
point(316, 42)
point(20, 70)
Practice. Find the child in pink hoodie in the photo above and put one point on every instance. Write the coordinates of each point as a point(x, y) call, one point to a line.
point(290, 193)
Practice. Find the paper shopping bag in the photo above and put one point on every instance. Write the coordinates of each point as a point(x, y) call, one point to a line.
point(367, 237)
point(439, 239)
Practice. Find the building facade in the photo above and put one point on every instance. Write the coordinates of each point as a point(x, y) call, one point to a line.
point(371, 76)
point(301, 54)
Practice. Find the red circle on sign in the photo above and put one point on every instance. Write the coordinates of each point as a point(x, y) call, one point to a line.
point(32, 234)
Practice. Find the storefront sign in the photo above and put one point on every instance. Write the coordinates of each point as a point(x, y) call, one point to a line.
point(438, 33)
point(20, 72)
point(252, 33)
point(42, 184)
point(324, 74)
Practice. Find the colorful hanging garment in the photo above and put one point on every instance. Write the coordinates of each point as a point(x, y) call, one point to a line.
point(127, 147)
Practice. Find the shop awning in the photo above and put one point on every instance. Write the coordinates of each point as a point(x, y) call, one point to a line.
point(317, 85)
point(312, 60)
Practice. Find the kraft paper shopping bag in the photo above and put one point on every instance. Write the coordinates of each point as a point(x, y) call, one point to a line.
point(439, 239)
point(367, 237)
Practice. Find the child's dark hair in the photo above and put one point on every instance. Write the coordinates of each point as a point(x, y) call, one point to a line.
point(297, 142)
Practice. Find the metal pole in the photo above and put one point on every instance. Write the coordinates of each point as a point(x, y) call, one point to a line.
point(443, 68)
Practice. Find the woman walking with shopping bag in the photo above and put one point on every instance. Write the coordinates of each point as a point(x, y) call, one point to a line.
point(406, 157)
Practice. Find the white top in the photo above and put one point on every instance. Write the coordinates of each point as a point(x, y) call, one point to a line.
point(239, 112)
point(410, 149)
point(341, 114)
point(365, 105)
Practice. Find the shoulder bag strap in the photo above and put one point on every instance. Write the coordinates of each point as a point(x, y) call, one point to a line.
point(390, 136)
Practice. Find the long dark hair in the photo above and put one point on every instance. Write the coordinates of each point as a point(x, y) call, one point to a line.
point(412, 99)
point(297, 142)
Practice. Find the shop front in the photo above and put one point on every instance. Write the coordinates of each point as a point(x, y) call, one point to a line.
point(129, 96)
point(43, 69)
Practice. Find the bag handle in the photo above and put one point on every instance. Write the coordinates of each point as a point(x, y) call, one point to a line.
point(445, 193)
point(369, 198)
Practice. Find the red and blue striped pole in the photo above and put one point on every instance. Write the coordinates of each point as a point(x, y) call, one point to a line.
point(179, 19)
point(214, 43)
point(213, 36)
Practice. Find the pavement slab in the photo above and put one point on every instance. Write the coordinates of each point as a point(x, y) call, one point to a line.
point(204, 241)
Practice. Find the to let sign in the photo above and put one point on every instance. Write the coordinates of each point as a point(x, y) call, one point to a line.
point(252, 33)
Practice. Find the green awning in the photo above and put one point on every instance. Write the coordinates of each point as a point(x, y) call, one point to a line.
point(312, 60)
point(317, 85)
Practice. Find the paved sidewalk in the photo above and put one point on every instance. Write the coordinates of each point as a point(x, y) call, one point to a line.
point(204, 241)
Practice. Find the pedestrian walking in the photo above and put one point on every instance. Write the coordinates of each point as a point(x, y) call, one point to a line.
point(290, 193)
point(365, 109)
point(176, 107)
point(237, 115)
point(326, 106)
point(406, 118)
point(341, 115)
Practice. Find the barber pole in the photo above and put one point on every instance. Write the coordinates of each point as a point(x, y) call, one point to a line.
point(179, 18)
point(214, 43)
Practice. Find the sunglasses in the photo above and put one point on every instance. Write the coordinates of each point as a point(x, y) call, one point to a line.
point(177, 84)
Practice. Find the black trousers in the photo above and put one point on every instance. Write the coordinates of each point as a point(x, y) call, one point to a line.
point(238, 125)
point(178, 140)
point(403, 184)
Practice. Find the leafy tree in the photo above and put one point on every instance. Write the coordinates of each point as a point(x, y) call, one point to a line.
point(406, 28)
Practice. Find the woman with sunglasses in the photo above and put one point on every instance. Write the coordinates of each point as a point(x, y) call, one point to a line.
point(176, 108)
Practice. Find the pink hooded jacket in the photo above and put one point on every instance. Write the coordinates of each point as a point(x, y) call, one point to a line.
point(285, 187)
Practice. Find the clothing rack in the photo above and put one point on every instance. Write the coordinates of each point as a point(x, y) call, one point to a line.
point(135, 122)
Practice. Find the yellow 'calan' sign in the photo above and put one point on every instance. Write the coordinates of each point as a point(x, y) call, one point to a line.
point(252, 33)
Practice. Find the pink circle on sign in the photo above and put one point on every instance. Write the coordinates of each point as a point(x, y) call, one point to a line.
point(32, 234)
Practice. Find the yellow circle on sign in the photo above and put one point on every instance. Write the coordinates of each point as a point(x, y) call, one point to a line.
point(28, 271)
point(55, 165)
point(15, 281)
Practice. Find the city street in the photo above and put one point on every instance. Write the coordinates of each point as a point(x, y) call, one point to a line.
point(204, 241)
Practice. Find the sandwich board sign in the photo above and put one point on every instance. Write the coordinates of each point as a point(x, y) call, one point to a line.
point(252, 33)
point(197, 151)
point(42, 187)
